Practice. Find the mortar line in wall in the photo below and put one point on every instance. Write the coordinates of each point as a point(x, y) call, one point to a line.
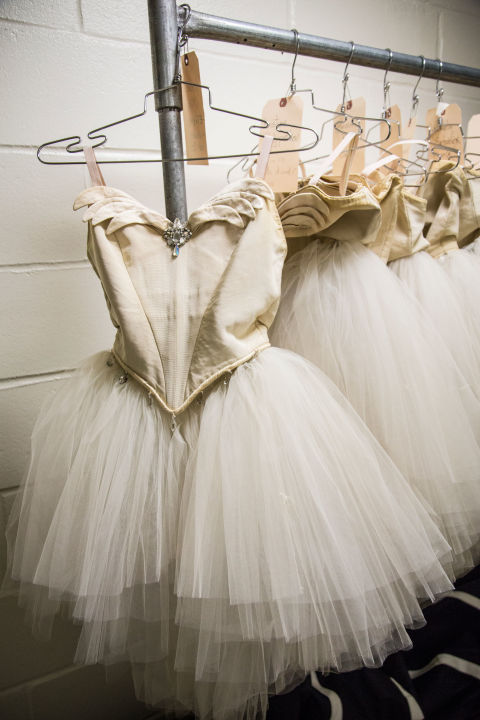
point(24, 380)
point(78, 31)
point(21, 268)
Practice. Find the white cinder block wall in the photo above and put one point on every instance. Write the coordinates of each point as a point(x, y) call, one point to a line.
point(67, 66)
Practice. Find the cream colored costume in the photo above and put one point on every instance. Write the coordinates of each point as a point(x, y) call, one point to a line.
point(207, 507)
point(403, 217)
point(343, 309)
point(451, 219)
point(420, 266)
point(180, 324)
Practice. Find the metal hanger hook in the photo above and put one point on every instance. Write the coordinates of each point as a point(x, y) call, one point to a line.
point(182, 38)
point(415, 97)
point(293, 86)
point(386, 85)
point(187, 11)
point(438, 89)
point(346, 76)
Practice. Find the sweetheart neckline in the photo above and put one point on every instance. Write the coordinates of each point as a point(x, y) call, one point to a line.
point(226, 191)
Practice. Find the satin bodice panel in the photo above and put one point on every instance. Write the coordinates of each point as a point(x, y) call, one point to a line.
point(387, 193)
point(469, 211)
point(443, 192)
point(406, 236)
point(184, 321)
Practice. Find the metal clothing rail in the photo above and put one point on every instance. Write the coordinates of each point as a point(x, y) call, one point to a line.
point(165, 20)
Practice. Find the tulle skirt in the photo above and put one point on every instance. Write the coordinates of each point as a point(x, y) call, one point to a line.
point(439, 297)
point(268, 535)
point(473, 246)
point(463, 269)
point(344, 310)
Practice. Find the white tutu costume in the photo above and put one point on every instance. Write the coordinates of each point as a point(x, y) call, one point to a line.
point(450, 220)
point(210, 508)
point(412, 259)
point(343, 309)
point(469, 212)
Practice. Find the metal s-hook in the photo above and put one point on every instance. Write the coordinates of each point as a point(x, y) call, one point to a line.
point(415, 97)
point(292, 89)
point(386, 85)
point(346, 76)
point(438, 89)
point(182, 38)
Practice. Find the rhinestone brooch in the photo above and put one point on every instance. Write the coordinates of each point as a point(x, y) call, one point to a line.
point(177, 235)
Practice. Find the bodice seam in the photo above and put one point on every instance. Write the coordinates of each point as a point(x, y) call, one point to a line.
point(209, 381)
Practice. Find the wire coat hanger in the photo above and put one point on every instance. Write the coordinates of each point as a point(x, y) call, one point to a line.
point(182, 39)
point(99, 138)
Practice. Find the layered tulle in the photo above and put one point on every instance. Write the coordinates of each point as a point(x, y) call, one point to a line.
point(474, 246)
point(345, 311)
point(463, 269)
point(267, 535)
point(439, 297)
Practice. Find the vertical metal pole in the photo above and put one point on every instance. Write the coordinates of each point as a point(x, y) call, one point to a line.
point(163, 37)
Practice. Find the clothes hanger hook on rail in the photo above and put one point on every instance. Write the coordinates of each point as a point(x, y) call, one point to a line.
point(293, 87)
point(386, 85)
point(346, 76)
point(415, 97)
point(439, 90)
point(182, 38)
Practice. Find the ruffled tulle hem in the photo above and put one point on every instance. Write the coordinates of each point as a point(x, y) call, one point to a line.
point(463, 269)
point(267, 536)
point(441, 300)
point(345, 311)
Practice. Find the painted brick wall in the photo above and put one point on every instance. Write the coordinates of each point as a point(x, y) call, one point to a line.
point(65, 67)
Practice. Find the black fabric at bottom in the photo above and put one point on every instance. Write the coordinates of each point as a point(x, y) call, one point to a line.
point(438, 679)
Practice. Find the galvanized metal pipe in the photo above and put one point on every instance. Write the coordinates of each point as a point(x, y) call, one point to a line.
point(163, 37)
point(164, 19)
point(212, 27)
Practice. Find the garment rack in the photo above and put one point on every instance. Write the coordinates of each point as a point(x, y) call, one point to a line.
point(165, 19)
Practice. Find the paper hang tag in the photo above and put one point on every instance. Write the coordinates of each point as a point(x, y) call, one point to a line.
point(441, 107)
point(282, 169)
point(352, 107)
point(408, 130)
point(473, 143)
point(193, 113)
point(448, 133)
